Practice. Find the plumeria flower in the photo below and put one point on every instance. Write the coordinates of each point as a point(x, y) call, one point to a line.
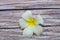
point(30, 24)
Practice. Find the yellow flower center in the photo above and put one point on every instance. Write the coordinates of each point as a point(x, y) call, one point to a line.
point(31, 22)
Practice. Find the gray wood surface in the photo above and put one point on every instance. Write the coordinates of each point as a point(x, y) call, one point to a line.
point(10, 18)
point(27, 4)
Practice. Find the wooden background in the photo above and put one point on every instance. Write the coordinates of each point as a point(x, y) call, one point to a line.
point(11, 11)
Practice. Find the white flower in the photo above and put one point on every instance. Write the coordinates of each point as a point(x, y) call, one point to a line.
point(30, 24)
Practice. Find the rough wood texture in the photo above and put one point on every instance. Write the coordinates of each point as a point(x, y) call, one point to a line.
point(27, 4)
point(9, 18)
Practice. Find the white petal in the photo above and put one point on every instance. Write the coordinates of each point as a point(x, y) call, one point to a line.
point(28, 32)
point(39, 19)
point(22, 23)
point(37, 30)
point(27, 14)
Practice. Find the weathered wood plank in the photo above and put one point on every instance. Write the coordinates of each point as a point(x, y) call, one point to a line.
point(25, 4)
point(48, 33)
point(10, 18)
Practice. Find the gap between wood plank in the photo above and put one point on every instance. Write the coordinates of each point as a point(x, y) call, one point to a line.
point(40, 24)
point(28, 9)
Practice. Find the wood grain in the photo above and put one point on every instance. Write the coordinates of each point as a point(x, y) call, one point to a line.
point(28, 4)
point(10, 13)
point(9, 19)
point(49, 32)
